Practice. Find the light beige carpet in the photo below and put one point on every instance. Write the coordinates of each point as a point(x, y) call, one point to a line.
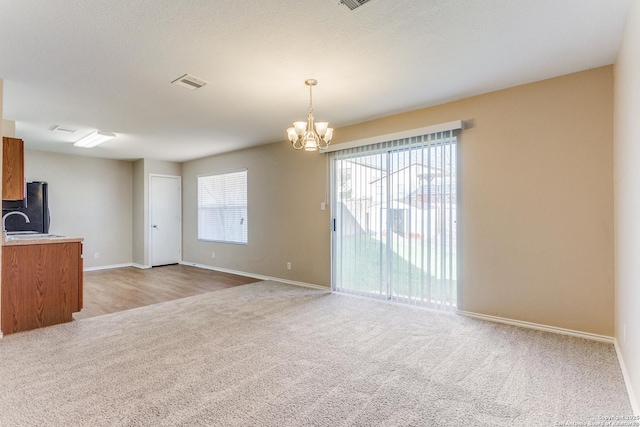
point(269, 354)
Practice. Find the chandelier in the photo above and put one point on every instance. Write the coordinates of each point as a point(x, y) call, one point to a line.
point(304, 134)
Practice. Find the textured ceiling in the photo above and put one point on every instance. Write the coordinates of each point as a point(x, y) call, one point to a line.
point(107, 65)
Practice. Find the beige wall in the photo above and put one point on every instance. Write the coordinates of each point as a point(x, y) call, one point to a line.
point(1, 117)
point(8, 128)
point(104, 201)
point(285, 189)
point(627, 198)
point(536, 199)
point(138, 213)
point(89, 198)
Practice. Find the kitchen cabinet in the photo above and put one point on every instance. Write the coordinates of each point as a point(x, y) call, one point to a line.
point(41, 284)
point(13, 183)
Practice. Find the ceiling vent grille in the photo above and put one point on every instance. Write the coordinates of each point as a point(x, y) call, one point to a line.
point(190, 82)
point(352, 4)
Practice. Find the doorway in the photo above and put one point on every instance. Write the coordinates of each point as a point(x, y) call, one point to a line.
point(165, 219)
point(395, 220)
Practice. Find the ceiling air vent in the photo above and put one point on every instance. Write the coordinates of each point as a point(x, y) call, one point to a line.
point(352, 4)
point(190, 82)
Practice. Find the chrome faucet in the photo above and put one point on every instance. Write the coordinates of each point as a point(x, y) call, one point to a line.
point(4, 220)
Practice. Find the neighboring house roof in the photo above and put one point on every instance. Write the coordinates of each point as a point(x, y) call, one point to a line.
point(435, 171)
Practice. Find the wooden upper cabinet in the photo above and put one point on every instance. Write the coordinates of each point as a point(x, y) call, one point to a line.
point(13, 186)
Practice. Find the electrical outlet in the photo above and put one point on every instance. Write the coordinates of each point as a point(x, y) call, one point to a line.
point(213, 254)
point(288, 266)
point(96, 255)
point(323, 206)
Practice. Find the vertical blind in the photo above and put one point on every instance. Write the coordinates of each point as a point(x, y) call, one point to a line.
point(395, 220)
point(222, 207)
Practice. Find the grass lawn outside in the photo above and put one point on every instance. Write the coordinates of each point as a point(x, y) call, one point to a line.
point(361, 267)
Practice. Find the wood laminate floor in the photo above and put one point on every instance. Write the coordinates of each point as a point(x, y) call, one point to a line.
point(109, 291)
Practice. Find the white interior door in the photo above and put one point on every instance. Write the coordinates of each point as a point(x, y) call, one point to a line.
point(165, 214)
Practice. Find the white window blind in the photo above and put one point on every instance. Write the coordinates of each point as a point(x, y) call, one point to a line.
point(395, 210)
point(222, 207)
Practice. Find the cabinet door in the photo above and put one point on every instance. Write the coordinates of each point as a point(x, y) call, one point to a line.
point(80, 277)
point(39, 285)
point(12, 301)
point(72, 272)
point(13, 185)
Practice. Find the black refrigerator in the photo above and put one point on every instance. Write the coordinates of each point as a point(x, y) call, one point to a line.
point(35, 206)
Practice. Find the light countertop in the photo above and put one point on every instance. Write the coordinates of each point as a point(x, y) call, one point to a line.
point(40, 241)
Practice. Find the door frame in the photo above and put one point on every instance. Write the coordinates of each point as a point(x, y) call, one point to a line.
point(445, 304)
point(149, 219)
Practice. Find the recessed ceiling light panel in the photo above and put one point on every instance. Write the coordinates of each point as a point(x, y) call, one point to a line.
point(189, 81)
point(96, 138)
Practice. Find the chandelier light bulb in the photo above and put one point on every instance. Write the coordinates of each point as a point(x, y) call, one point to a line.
point(310, 142)
point(329, 135)
point(321, 128)
point(300, 127)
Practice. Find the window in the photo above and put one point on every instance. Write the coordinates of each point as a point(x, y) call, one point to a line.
point(395, 231)
point(222, 207)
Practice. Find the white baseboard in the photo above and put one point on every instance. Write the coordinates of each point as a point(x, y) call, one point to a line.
point(141, 266)
point(573, 333)
point(255, 276)
point(108, 267)
point(627, 380)
point(539, 327)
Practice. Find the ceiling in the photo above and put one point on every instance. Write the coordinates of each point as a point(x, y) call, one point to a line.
point(107, 65)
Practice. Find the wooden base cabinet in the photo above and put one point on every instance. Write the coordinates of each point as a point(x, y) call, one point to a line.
point(41, 285)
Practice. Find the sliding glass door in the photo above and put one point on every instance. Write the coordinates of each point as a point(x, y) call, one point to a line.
point(395, 220)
